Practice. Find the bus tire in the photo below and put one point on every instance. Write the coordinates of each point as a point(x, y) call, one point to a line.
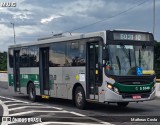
point(80, 100)
point(122, 104)
point(32, 92)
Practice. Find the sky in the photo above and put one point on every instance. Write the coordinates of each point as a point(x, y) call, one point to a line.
point(35, 19)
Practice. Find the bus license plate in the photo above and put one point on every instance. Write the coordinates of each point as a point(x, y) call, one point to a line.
point(136, 96)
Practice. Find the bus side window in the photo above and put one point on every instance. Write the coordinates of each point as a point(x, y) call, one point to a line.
point(57, 55)
point(24, 57)
point(33, 56)
point(75, 54)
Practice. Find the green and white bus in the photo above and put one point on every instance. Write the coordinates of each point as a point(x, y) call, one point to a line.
point(113, 66)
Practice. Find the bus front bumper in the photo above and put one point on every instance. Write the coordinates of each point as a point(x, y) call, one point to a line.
point(111, 96)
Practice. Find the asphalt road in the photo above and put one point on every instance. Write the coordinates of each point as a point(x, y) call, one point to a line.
point(62, 111)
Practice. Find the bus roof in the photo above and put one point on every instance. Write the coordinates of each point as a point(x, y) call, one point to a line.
point(51, 39)
point(59, 39)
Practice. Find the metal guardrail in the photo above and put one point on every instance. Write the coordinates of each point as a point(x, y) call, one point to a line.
point(157, 80)
point(3, 71)
point(3, 76)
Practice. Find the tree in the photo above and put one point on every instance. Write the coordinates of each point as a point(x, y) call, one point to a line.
point(157, 59)
point(3, 61)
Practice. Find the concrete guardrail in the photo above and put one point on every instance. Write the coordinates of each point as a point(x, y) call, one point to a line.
point(3, 76)
point(158, 87)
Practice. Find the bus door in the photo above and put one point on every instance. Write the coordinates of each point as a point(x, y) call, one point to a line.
point(94, 71)
point(44, 71)
point(16, 70)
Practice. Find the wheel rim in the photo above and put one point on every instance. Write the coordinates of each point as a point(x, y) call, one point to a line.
point(31, 93)
point(79, 98)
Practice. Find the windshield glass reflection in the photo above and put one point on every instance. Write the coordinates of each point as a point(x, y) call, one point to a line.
point(124, 59)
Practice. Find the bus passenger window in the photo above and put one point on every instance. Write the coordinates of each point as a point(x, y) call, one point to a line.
point(76, 52)
point(33, 56)
point(24, 57)
point(57, 55)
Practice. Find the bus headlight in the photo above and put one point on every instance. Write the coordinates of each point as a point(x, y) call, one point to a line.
point(116, 90)
point(109, 86)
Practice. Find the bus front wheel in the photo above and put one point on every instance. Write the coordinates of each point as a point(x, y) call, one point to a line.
point(32, 92)
point(122, 104)
point(80, 98)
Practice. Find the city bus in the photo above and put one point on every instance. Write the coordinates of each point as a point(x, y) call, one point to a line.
point(112, 66)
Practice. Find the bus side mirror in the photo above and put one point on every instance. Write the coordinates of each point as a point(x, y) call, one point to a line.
point(105, 54)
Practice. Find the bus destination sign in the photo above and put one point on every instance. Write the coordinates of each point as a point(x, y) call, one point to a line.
point(131, 36)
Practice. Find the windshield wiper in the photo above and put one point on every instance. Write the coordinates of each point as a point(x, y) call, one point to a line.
point(119, 64)
point(128, 55)
point(139, 57)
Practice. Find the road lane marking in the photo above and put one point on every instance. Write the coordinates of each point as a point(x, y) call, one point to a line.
point(36, 111)
point(78, 114)
point(13, 99)
point(23, 107)
point(94, 119)
point(5, 111)
point(63, 111)
point(22, 104)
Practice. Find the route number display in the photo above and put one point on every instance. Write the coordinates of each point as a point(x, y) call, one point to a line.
point(131, 36)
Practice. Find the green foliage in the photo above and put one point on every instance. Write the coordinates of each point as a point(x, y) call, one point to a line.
point(157, 59)
point(3, 61)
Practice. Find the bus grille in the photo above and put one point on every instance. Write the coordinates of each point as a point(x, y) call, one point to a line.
point(129, 95)
point(134, 80)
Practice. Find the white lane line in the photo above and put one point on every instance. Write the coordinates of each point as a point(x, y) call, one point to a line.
point(22, 104)
point(23, 107)
point(27, 103)
point(14, 105)
point(106, 123)
point(5, 111)
point(33, 105)
point(65, 123)
point(91, 118)
point(78, 114)
point(36, 111)
point(13, 99)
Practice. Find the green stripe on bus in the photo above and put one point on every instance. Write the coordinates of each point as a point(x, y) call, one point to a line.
point(134, 88)
point(25, 78)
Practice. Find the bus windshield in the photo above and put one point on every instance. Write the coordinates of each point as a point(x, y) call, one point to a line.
point(124, 59)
